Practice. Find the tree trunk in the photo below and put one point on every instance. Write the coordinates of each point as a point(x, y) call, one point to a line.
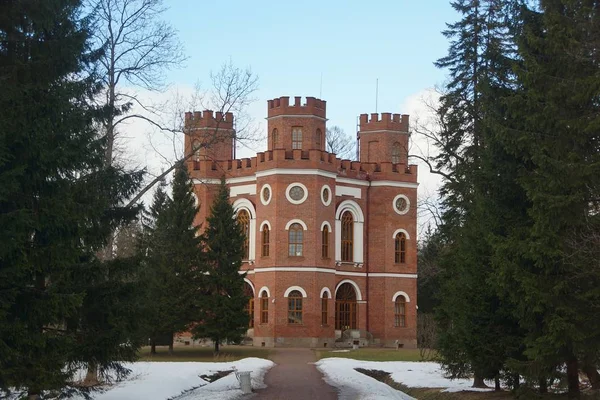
point(497, 387)
point(152, 346)
point(573, 377)
point(171, 346)
point(478, 382)
point(516, 381)
point(91, 377)
point(543, 385)
point(592, 373)
point(217, 346)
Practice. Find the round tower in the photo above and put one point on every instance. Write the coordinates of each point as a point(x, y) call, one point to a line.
point(383, 139)
point(296, 126)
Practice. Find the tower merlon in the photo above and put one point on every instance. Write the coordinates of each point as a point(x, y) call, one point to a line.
point(205, 119)
point(387, 121)
point(282, 106)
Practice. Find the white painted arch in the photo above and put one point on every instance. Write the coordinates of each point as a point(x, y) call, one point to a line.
point(295, 221)
point(262, 224)
point(249, 282)
point(325, 290)
point(400, 293)
point(245, 204)
point(264, 289)
point(359, 218)
point(326, 224)
point(292, 288)
point(353, 207)
point(397, 231)
point(356, 288)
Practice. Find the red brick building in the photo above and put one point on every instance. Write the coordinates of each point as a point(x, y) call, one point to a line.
point(331, 243)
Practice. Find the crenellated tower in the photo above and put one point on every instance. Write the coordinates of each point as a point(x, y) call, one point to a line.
point(296, 126)
point(210, 135)
point(383, 139)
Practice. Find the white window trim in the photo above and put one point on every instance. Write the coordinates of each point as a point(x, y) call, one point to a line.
point(287, 193)
point(325, 290)
point(356, 288)
point(249, 282)
point(265, 222)
point(292, 288)
point(400, 293)
point(397, 231)
point(262, 200)
point(294, 221)
point(359, 218)
point(401, 212)
point(247, 205)
point(325, 224)
point(264, 289)
point(331, 194)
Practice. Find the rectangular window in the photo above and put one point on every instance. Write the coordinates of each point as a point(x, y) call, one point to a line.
point(324, 310)
point(294, 310)
point(325, 242)
point(296, 137)
point(264, 310)
point(265, 239)
point(400, 315)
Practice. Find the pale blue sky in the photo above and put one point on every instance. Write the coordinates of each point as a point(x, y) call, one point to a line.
point(289, 44)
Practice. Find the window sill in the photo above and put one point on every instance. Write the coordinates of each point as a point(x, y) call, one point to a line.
point(295, 324)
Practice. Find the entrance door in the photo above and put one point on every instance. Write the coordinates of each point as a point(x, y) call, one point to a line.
point(345, 308)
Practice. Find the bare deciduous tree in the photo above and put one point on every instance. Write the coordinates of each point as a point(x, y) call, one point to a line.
point(340, 143)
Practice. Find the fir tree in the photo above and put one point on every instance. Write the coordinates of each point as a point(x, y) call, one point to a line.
point(223, 316)
point(56, 199)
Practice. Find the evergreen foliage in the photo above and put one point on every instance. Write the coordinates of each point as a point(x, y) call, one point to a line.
point(223, 316)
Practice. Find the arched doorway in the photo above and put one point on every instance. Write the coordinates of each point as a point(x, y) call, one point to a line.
point(250, 305)
point(345, 307)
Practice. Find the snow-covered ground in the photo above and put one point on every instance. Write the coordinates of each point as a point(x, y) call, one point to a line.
point(164, 380)
point(340, 372)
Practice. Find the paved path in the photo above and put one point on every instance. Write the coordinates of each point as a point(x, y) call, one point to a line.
point(295, 378)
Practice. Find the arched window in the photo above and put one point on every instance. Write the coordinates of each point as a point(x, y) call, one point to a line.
point(318, 138)
point(250, 305)
point(347, 236)
point(295, 242)
point(324, 301)
point(244, 220)
point(325, 242)
point(396, 153)
point(275, 138)
point(400, 312)
point(296, 137)
point(264, 308)
point(295, 307)
point(196, 150)
point(265, 241)
point(400, 253)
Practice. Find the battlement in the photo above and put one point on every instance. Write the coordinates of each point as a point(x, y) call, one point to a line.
point(387, 121)
point(282, 106)
point(205, 119)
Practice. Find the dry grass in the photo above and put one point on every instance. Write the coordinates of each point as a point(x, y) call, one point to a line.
point(203, 354)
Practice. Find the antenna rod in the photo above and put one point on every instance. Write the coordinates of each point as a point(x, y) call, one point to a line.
point(376, 93)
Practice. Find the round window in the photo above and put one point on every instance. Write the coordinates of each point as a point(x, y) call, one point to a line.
point(326, 195)
point(401, 204)
point(296, 193)
point(266, 194)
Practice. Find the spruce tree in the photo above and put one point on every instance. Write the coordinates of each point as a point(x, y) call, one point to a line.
point(56, 198)
point(223, 315)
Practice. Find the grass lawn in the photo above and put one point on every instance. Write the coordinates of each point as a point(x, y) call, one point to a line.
point(373, 354)
point(204, 354)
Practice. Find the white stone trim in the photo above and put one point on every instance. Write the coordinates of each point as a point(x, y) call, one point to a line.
point(326, 203)
point(326, 224)
point(329, 271)
point(397, 231)
point(348, 191)
point(401, 196)
point(292, 288)
point(229, 181)
point(296, 116)
point(356, 288)
point(265, 203)
point(290, 186)
point(400, 293)
point(265, 222)
point(385, 130)
point(291, 171)
point(294, 221)
point(264, 289)
point(325, 290)
point(247, 205)
point(359, 218)
point(249, 282)
point(235, 191)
